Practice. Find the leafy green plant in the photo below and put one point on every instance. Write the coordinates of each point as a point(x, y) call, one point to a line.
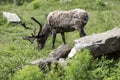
point(78, 66)
point(35, 4)
point(28, 73)
point(102, 5)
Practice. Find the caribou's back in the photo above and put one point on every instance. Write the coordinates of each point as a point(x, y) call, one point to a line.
point(59, 22)
point(69, 20)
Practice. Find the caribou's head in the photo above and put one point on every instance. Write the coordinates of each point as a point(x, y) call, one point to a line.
point(41, 41)
point(41, 36)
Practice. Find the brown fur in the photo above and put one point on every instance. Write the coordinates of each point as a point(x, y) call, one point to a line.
point(60, 22)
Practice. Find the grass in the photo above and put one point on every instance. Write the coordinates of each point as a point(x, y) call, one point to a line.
point(16, 52)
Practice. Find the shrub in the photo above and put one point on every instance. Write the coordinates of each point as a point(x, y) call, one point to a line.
point(35, 4)
point(101, 5)
point(28, 73)
point(79, 66)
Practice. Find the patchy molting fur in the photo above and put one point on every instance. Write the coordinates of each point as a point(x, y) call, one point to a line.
point(60, 22)
point(64, 21)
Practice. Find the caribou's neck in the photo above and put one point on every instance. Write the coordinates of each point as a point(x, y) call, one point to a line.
point(46, 31)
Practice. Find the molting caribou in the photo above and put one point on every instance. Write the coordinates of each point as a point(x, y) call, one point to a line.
point(59, 22)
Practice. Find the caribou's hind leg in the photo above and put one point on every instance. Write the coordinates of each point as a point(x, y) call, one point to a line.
point(53, 41)
point(63, 37)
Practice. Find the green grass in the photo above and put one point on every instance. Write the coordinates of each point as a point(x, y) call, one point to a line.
point(16, 52)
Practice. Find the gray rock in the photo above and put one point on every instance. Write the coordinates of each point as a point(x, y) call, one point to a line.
point(56, 57)
point(11, 17)
point(98, 44)
point(61, 52)
point(48, 62)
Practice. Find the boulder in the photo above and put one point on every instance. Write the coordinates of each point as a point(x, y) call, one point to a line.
point(48, 62)
point(61, 52)
point(56, 57)
point(11, 17)
point(98, 44)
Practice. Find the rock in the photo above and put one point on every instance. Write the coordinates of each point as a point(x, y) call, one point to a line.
point(98, 44)
point(37, 61)
point(61, 52)
point(43, 64)
point(46, 64)
point(11, 17)
point(56, 57)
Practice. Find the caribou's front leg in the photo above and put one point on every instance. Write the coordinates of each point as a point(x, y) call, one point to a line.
point(53, 42)
point(63, 37)
point(82, 32)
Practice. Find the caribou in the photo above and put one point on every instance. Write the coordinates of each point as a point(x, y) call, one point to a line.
point(59, 22)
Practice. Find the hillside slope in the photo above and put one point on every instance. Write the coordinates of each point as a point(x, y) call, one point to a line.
point(16, 52)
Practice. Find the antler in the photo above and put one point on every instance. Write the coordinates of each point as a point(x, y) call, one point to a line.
point(24, 25)
point(38, 23)
point(34, 36)
point(31, 38)
point(34, 32)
